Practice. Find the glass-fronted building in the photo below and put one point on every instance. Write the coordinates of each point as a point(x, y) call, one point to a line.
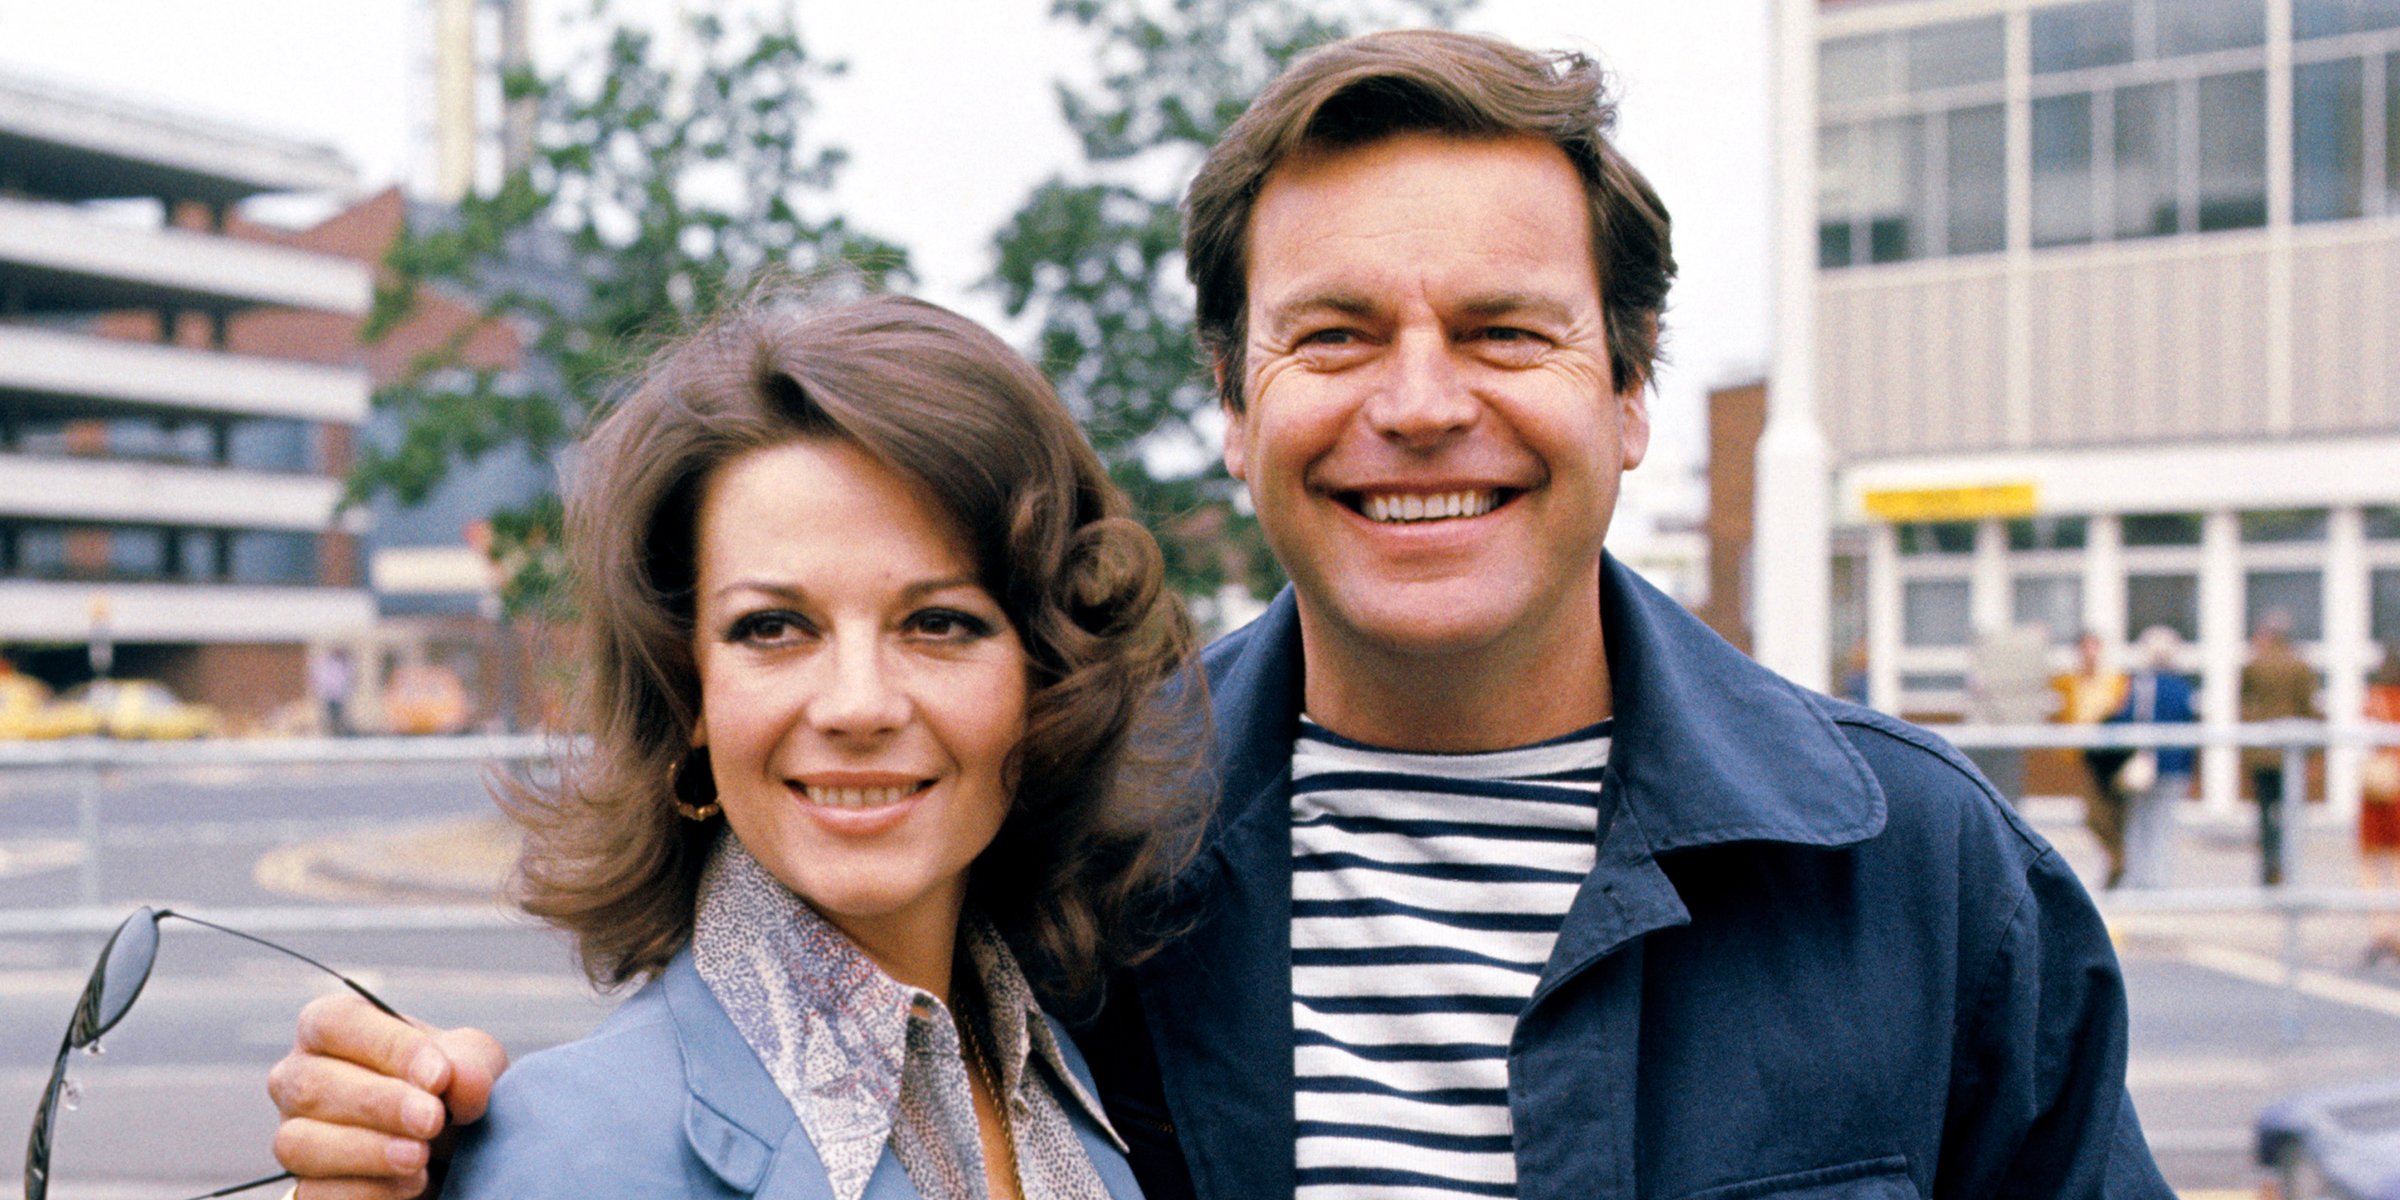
point(2108, 315)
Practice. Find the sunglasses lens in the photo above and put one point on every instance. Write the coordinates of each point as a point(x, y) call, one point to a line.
point(123, 971)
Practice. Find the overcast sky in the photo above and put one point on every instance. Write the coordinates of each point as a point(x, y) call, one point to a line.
point(949, 117)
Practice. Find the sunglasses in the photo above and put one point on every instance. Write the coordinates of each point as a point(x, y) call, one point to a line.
point(115, 984)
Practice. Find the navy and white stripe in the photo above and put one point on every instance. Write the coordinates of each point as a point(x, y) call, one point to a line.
point(1427, 890)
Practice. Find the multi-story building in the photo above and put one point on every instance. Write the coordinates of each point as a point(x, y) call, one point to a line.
point(2108, 330)
point(167, 502)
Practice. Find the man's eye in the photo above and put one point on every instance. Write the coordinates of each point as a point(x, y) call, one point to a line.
point(766, 628)
point(949, 624)
point(1509, 333)
point(1329, 337)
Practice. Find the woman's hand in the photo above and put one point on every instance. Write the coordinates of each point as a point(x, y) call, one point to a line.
point(366, 1099)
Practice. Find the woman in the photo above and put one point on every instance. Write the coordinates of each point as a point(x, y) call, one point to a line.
point(870, 630)
point(2155, 695)
point(2379, 814)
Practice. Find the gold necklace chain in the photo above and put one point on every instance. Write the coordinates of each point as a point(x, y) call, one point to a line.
point(972, 1047)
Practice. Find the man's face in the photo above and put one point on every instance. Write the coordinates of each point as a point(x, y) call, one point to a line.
point(1430, 434)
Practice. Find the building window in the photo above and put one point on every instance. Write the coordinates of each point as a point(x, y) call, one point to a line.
point(1937, 537)
point(42, 551)
point(137, 552)
point(2172, 600)
point(263, 556)
point(1935, 612)
point(2048, 533)
point(2161, 529)
point(2383, 523)
point(2383, 604)
point(2055, 602)
point(2299, 595)
point(2138, 127)
point(2288, 525)
point(1912, 153)
point(2345, 109)
point(270, 444)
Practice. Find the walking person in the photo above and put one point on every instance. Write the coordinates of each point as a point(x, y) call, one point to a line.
point(2153, 783)
point(2088, 696)
point(2379, 810)
point(2276, 686)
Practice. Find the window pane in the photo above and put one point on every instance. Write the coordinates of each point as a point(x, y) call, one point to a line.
point(2328, 173)
point(1955, 55)
point(2062, 170)
point(2161, 529)
point(137, 553)
point(2147, 179)
point(2055, 602)
point(2383, 522)
point(2233, 150)
point(2383, 604)
point(2325, 18)
point(42, 551)
point(1938, 537)
point(2070, 37)
point(267, 444)
point(2284, 525)
point(196, 554)
point(260, 556)
point(1837, 193)
point(2391, 132)
point(1891, 191)
point(2200, 26)
point(1977, 180)
point(1934, 612)
point(2169, 600)
point(1856, 68)
point(2300, 595)
point(2048, 533)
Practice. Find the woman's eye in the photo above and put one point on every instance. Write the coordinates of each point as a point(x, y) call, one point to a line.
point(766, 628)
point(949, 624)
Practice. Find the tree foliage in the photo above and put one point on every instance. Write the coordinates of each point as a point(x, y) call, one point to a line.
point(662, 180)
point(1095, 256)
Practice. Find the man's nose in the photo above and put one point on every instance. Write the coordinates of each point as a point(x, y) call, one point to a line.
point(857, 693)
point(1424, 397)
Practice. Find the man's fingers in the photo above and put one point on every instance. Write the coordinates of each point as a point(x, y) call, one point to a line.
point(476, 1060)
point(319, 1151)
point(334, 1092)
point(341, 1025)
point(361, 1189)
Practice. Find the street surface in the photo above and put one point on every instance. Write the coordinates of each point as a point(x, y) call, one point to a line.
point(176, 1105)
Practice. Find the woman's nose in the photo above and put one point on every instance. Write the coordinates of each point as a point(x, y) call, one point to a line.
point(857, 694)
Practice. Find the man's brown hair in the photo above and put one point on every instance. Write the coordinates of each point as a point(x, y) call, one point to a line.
point(1364, 89)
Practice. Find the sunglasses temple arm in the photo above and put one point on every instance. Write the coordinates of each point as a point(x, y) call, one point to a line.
point(347, 982)
point(278, 1177)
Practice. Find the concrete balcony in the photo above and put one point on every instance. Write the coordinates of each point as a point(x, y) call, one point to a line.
point(61, 258)
point(34, 611)
point(51, 363)
point(112, 491)
point(76, 144)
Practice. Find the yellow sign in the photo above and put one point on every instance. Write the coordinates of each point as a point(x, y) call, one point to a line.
point(1953, 503)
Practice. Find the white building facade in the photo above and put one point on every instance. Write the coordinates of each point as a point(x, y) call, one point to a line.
point(2108, 331)
point(161, 494)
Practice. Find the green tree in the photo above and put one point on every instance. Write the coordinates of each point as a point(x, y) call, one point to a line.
point(660, 181)
point(1096, 255)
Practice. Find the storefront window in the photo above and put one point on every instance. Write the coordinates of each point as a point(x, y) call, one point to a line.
point(2299, 595)
point(2055, 602)
point(2172, 600)
point(1937, 537)
point(2161, 529)
point(2283, 525)
point(2048, 533)
point(1935, 612)
point(2383, 603)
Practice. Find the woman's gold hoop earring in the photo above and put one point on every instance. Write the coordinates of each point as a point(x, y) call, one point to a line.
point(685, 808)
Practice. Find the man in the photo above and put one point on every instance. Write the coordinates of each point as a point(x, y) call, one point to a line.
point(1522, 883)
point(2276, 686)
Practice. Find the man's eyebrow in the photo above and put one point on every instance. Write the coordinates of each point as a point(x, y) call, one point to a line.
point(1512, 304)
point(1281, 317)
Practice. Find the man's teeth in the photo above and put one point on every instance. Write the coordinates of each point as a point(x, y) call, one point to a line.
point(1418, 507)
point(856, 797)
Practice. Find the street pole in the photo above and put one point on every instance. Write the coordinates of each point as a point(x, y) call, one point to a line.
point(1791, 577)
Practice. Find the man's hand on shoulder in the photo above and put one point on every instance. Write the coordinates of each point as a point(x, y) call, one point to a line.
point(367, 1100)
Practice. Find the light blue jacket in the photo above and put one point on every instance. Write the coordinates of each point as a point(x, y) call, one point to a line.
point(666, 1099)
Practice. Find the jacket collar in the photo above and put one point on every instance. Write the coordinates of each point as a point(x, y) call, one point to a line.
point(1710, 746)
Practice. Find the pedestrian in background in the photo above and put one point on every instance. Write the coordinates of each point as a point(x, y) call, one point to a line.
point(2154, 781)
point(2088, 697)
point(2276, 686)
point(2009, 684)
point(329, 684)
point(2379, 815)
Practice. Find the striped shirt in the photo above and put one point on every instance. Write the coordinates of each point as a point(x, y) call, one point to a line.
point(1427, 890)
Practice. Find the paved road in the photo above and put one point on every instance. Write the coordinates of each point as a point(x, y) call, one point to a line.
point(176, 1102)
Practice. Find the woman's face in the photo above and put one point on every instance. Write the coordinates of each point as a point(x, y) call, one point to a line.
point(860, 692)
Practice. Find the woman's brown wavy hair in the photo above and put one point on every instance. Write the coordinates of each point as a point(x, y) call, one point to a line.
point(944, 403)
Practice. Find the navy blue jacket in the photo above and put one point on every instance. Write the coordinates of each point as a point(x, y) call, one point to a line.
point(2173, 705)
point(1817, 957)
